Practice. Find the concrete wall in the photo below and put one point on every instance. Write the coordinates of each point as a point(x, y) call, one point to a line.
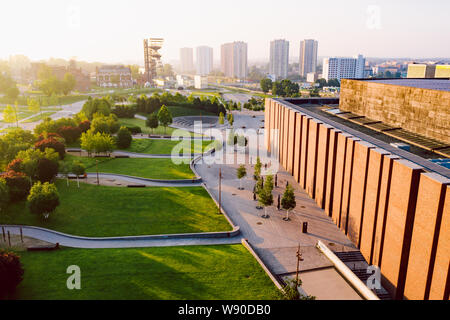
point(397, 214)
point(422, 111)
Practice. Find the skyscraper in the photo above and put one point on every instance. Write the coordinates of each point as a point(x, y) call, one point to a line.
point(187, 59)
point(308, 56)
point(279, 59)
point(204, 60)
point(234, 59)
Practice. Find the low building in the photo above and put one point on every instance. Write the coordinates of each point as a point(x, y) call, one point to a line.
point(417, 70)
point(311, 77)
point(115, 76)
point(200, 82)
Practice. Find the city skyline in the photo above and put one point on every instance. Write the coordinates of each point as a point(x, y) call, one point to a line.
point(376, 30)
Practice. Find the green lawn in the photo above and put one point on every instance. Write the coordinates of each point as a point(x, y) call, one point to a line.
point(227, 272)
point(130, 122)
point(165, 146)
point(99, 211)
point(163, 169)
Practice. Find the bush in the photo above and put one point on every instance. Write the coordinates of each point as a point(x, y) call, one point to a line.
point(43, 198)
point(11, 273)
point(124, 138)
point(125, 111)
point(53, 144)
point(84, 125)
point(134, 129)
point(18, 184)
point(69, 133)
point(15, 165)
point(4, 194)
point(47, 170)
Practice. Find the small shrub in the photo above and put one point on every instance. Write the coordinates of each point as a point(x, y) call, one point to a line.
point(11, 273)
point(18, 184)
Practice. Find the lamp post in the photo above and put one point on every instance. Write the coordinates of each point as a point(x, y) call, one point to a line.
point(96, 165)
point(220, 190)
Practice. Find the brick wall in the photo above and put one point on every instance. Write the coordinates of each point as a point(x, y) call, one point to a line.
point(422, 111)
point(395, 212)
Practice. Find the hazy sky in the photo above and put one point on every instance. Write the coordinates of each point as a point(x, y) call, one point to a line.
point(113, 30)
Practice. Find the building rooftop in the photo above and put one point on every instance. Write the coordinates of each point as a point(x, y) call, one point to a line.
point(315, 109)
point(433, 84)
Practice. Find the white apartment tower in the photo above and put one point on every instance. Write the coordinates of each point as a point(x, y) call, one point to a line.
point(204, 60)
point(308, 56)
point(343, 68)
point(187, 59)
point(279, 59)
point(234, 60)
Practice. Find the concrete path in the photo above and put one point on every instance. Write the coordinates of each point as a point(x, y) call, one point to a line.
point(146, 182)
point(214, 238)
point(275, 240)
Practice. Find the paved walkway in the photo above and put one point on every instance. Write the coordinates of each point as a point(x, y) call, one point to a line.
point(120, 242)
point(142, 155)
point(124, 179)
point(275, 240)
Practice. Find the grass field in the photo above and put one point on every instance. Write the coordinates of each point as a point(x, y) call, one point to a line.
point(100, 211)
point(138, 167)
point(141, 123)
point(227, 272)
point(184, 111)
point(164, 146)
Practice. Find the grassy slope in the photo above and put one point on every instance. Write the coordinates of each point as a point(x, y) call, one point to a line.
point(99, 211)
point(138, 167)
point(141, 123)
point(206, 272)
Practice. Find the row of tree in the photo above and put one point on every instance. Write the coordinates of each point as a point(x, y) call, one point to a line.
point(283, 88)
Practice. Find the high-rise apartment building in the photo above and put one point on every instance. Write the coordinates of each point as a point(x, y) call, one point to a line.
point(343, 68)
point(234, 59)
point(204, 60)
point(279, 59)
point(308, 56)
point(187, 59)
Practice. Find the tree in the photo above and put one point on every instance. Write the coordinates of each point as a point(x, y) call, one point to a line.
point(258, 167)
point(277, 89)
point(265, 198)
point(47, 170)
point(152, 121)
point(4, 194)
point(10, 115)
point(231, 119)
point(30, 162)
point(266, 85)
point(124, 138)
point(241, 173)
point(43, 198)
point(68, 84)
point(93, 106)
point(69, 133)
point(165, 117)
point(11, 273)
point(64, 169)
point(288, 201)
point(78, 169)
point(105, 124)
point(97, 142)
point(51, 143)
point(33, 105)
point(18, 185)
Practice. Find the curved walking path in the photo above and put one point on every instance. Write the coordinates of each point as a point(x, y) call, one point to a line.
point(148, 182)
point(67, 240)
